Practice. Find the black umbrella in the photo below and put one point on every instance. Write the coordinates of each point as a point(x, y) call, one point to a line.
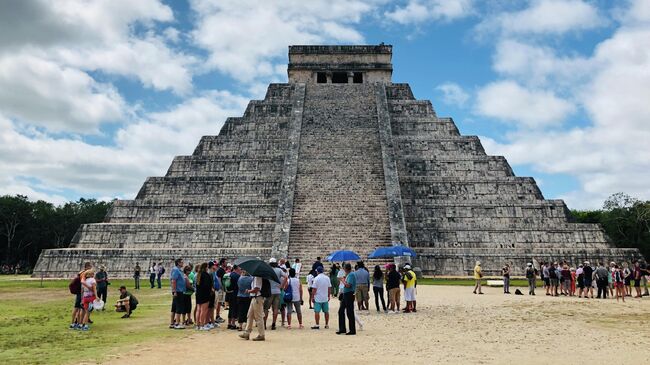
point(257, 267)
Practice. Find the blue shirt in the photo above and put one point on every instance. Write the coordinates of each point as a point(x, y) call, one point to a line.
point(180, 280)
point(363, 276)
point(351, 279)
point(244, 284)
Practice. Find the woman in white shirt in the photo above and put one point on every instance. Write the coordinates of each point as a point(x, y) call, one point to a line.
point(310, 281)
point(89, 290)
point(296, 298)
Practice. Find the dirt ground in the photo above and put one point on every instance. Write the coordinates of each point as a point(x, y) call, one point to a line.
point(452, 326)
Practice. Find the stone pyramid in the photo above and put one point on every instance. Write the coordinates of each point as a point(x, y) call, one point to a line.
point(338, 158)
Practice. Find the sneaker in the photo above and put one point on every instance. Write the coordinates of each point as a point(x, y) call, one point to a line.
point(273, 327)
point(72, 326)
point(244, 335)
point(179, 327)
point(85, 327)
point(126, 316)
point(259, 338)
point(219, 320)
point(315, 327)
point(172, 325)
point(204, 328)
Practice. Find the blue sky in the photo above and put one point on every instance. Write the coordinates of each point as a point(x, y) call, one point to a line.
point(96, 96)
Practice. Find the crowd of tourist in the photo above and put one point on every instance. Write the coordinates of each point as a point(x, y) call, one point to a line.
point(560, 279)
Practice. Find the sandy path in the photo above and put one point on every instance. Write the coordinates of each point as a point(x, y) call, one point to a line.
point(452, 324)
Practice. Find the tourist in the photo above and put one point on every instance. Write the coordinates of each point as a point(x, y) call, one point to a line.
point(619, 282)
point(560, 277)
point(322, 289)
point(392, 286)
point(588, 273)
point(566, 280)
point(272, 303)
point(637, 274)
point(627, 275)
point(243, 298)
point(572, 291)
point(136, 275)
point(297, 265)
point(580, 281)
point(216, 286)
point(75, 288)
point(378, 288)
point(553, 274)
point(316, 264)
point(159, 274)
point(127, 302)
point(310, 282)
point(347, 304)
point(334, 280)
point(546, 273)
point(89, 287)
point(192, 277)
point(231, 297)
point(505, 272)
point(610, 278)
point(187, 296)
point(177, 284)
point(645, 272)
point(101, 277)
point(531, 277)
point(410, 284)
point(601, 275)
point(478, 274)
point(260, 289)
point(283, 301)
point(204, 291)
point(295, 288)
point(363, 286)
point(220, 295)
point(152, 274)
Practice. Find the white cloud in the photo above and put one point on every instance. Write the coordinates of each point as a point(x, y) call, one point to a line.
point(510, 102)
point(55, 97)
point(419, 11)
point(247, 39)
point(608, 154)
point(545, 17)
point(453, 94)
point(144, 148)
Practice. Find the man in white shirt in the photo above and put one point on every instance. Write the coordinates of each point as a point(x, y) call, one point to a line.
point(297, 266)
point(256, 310)
point(322, 289)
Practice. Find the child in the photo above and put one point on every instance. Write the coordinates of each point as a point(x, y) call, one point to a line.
point(89, 288)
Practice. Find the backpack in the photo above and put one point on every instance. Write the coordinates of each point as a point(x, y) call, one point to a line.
point(75, 285)
point(408, 275)
point(265, 291)
point(288, 292)
point(162, 271)
point(225, 281)
point(530, 273)
point(216, 282)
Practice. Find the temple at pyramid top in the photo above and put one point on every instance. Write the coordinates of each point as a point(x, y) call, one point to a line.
point(340, 64)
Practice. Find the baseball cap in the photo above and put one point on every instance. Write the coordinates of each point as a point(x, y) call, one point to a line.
point(210, 263)
point(407, 266)
point(319, 269)
point(272, 260)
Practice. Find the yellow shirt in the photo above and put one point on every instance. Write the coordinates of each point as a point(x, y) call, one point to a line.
point(477, 272)
point(410, 283)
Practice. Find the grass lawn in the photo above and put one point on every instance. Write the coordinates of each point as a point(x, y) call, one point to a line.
point(34, 321)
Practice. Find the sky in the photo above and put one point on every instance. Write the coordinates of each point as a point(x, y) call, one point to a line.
point(97, 95)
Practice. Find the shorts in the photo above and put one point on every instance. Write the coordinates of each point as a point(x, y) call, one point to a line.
point(555, 282)
point(187, 305)
point(233, 309)
point(211, 300)
point(409, 294)
point(580, 283)
point(122, 308)
point(294, 307)
point(272, 301)
point(627, 281)
point(547, 281)
point(362, 293)
point(77, 301)
point(619, 284)
point(588, 283)
point(87, 300)
point(637, 283)
point(393, 295)
point(221, 296)
point(321, 307)
point(178, 304)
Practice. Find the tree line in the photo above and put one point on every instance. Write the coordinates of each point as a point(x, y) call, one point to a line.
point(27, 227)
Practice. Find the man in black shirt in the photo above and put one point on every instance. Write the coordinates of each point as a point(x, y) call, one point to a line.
point(316, 264)
point(127, 302)
point(392, 287)
point(588, 273)
point(231, 297)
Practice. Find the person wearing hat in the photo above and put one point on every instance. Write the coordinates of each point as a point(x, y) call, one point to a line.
point(531, 276)
point(478, 274)
point(410, 282)
point(322, 290)
point(273, 302)
point(127, 302)
point(101, 277)
point(588, 273)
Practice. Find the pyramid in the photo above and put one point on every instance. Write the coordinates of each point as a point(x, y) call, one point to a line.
point(340, 157)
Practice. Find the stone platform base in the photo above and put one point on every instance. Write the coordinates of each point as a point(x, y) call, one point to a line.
point(455, 261)
point(66, 262)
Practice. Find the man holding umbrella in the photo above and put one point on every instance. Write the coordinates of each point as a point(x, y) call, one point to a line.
point(256, 310)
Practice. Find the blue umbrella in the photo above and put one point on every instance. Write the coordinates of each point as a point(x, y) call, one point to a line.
point(343, 255)
point(392, 251)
